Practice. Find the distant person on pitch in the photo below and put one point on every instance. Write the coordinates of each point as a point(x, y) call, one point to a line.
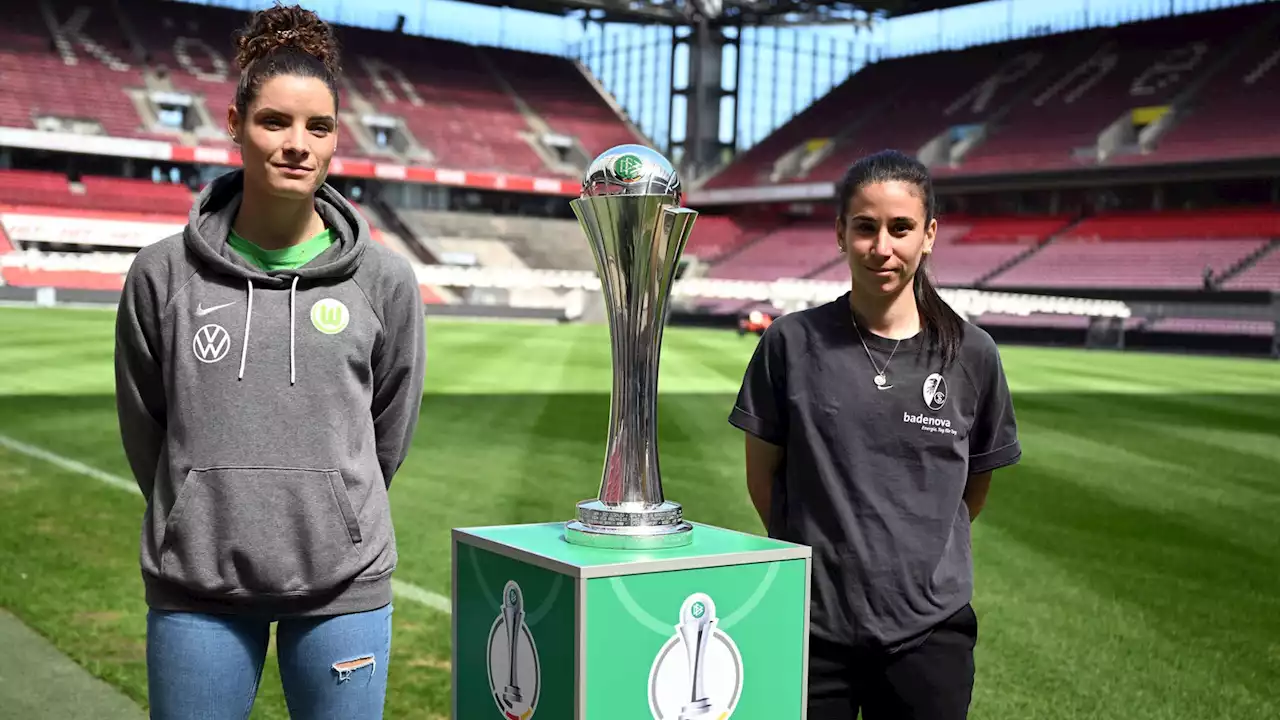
point(873, 424)
point(269, 373)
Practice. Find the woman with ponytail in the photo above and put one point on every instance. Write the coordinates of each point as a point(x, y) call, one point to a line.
point(873, 424)
point(269, 372)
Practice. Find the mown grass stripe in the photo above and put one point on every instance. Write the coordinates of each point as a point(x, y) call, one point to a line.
point(403, 589)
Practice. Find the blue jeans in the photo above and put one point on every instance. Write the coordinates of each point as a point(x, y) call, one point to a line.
point(207, 667)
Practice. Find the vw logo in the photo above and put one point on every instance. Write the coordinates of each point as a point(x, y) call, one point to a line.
point(211, 343)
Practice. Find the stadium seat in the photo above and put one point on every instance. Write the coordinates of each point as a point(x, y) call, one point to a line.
point(560, 94)
point(1263, 274)
point(38, 81)
point(792, 252)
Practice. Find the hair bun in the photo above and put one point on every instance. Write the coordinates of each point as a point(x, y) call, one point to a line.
point(283, 27)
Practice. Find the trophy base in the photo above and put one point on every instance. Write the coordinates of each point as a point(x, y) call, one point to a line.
point(695, 709)
point(512, 696)
point(624, 528)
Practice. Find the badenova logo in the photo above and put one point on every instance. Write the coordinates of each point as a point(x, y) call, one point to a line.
point(330, 316)
point(627, 167)
point(515, 674)
point(929, 423)
point(698, 672)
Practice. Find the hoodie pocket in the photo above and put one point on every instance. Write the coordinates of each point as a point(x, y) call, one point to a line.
point(261, 531)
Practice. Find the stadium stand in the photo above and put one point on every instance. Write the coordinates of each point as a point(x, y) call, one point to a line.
point(1235, 114)
point(34, 187)
point(1255, 328)
point(1190, 87)
point(715, 236)
point(1041, 104)
point(1263, 274)
point(111, 69)
point(544, 243)
point(450, 102)
point(794, 252)
point(1170, 249)
point(561, 95)
point(978, 81)
point(966, 249)
point(67, 70)
point(1135, 66)
point(1158, 264)
point(26, 187)
point(188, 49)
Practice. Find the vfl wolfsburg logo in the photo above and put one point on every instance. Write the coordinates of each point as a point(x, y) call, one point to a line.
point(515, 675)
point(330, 316)
point(627, 167)
point(698, 672)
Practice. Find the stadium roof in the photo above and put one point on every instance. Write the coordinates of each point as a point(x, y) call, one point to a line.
point(748, 12)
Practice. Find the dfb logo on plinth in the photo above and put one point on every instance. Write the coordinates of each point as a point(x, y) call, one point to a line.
point(515, 675)
point(630, 213)
point(698, 672)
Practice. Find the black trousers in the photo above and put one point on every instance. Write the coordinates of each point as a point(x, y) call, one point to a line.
point(930, 678)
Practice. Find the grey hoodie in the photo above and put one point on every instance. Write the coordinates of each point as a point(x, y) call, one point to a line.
point(264, 414)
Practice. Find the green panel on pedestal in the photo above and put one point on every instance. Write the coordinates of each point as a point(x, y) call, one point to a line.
point(546, 671)
point(599, 637)
point(753, 667)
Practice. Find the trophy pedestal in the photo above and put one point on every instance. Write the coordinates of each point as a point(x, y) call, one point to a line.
point(601, 631)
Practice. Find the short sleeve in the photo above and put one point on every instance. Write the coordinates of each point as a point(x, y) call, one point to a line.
point(760, 407)
point(993, 440)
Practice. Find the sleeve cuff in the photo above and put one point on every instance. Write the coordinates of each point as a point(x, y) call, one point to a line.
point(759, 427)
point(995, 459)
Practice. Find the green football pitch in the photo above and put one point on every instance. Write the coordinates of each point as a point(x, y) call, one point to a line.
point(1129, 567)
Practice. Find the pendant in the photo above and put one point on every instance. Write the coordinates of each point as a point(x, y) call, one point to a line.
point(880, 379)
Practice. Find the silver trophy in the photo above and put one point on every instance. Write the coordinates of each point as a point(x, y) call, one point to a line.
point(630, 212)
point(697, 625)
point(513, 619)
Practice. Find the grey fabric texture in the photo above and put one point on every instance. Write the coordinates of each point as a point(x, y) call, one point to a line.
point(265, 414)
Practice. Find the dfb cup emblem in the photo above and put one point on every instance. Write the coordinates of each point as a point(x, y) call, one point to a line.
point(627, 168)
point(698, 673)
point(515, 673)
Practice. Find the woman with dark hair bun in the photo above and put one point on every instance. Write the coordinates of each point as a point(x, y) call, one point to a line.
point(269, 373)
point(873, 424)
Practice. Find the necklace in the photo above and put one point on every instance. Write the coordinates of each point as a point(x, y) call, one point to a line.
point(881, 379)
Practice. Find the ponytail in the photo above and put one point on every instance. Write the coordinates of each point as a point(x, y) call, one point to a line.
point(943, 328)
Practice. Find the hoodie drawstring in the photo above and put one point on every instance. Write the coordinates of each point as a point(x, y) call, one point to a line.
point(248, 315)
point(293, 293)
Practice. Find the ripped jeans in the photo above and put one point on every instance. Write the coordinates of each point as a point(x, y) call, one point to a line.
point(207, 667)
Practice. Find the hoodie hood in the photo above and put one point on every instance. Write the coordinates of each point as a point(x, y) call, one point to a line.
point(209, 224)
point(214, 211)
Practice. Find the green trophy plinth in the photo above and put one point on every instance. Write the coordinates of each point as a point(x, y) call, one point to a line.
point(612, 634)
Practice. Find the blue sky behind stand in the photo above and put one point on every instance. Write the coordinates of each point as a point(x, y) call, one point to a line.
point(769, 54)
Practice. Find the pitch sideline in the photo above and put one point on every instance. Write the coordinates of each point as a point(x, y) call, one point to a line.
point(402, 589)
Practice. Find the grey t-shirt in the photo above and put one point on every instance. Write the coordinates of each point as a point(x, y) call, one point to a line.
point(873, 479)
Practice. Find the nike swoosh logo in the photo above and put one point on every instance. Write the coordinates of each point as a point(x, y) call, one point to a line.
point(201, 311)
